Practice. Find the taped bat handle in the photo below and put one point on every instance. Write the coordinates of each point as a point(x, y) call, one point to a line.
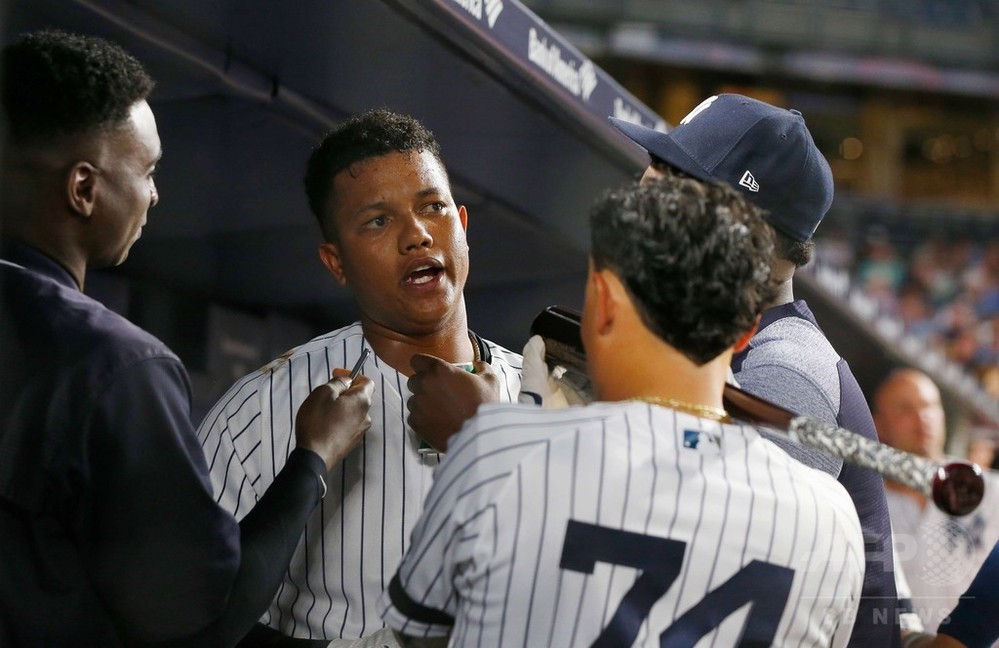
point(956, 488)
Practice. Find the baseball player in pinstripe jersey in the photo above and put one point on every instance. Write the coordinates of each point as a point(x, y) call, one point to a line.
point(768, 153)
point(394, 236)
point(650, 517)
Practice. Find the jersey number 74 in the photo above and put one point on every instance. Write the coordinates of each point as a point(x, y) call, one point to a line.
point(765, 585)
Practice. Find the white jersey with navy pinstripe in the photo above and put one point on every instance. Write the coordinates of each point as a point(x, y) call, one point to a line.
point(623, 524)
point(353, 543)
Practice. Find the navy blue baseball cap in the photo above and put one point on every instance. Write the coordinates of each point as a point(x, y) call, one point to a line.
point(764, 151)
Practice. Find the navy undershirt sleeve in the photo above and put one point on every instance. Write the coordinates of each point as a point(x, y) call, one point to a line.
point(172, 565)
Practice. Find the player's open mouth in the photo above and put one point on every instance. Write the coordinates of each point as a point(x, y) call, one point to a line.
point(424, 273)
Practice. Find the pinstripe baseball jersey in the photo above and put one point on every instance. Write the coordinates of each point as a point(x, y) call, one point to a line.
point(941, 554)
point(623, 524)
point(354, 541)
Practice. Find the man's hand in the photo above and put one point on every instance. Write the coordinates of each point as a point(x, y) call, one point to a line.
point(333, 419)
point(539, 386)
point(445, 396)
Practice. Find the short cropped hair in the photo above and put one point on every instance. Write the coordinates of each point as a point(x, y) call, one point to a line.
point(57, 84)
point(797, 252)
point(368, 135)
point(694, 256)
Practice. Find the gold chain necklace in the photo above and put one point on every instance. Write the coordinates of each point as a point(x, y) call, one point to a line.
point(475, 347)
point(704, 411)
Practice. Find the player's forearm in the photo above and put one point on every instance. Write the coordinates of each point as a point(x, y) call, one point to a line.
point(270, 533)
point(419, 642)
point(268, 537)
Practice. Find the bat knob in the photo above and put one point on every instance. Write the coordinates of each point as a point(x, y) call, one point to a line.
point(958, 488)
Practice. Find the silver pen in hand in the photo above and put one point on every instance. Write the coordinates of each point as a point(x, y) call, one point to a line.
point(349, 380)
point(357, 365)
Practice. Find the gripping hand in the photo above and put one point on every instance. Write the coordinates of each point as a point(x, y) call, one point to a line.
point(543, 386)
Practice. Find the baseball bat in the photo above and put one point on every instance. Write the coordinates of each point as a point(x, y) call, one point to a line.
point(956, 488)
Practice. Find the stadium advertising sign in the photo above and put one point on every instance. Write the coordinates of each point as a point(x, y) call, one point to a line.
point(524, 40)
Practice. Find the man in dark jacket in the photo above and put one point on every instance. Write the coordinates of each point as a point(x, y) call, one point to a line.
point(109, 530)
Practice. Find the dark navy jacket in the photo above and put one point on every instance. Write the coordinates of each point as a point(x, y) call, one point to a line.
point(109, 532)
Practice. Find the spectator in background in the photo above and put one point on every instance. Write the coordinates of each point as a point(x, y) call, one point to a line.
point(880, 271)
point(930, 267)
point(982, 449)
point(989, 377)
point(939, 553)
point(915, 312)
point(837, 249)
point(987, 354)
point(958, 326)
point(948, 297)
point(982, 281)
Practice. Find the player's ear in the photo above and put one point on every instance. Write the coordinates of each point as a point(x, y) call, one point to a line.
point(81, 188)
point(744, 339)
point(601, 289)
point(463, 217)
point(329, 254)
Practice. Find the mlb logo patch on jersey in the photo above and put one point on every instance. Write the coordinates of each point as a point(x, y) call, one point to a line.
point(700, 440)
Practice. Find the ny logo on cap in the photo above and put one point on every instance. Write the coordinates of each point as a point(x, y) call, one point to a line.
point(749, 182)
point(698, 110)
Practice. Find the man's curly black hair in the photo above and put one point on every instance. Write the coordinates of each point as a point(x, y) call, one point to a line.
point(797, 252)
point(694, 256)
point(57, 84)
point(368, 135)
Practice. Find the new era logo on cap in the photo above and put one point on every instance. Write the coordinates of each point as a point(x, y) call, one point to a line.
point(727, 135)
point(749, 182)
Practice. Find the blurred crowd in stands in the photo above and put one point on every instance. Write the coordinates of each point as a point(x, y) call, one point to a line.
point(940, 282)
